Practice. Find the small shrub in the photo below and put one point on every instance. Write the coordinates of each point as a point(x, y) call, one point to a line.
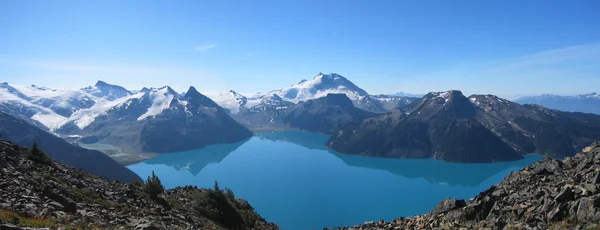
point(215, 205)
point(35, 154)
point(153, 186)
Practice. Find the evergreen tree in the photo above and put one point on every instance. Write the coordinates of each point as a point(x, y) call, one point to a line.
point(153, 186)
point(35, 154)
point(217, 189)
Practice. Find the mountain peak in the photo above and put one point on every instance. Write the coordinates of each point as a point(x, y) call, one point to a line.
point(101, 83)
point(192, 92)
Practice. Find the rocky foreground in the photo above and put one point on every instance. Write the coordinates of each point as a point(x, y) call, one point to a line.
point(39, 193)
point(550, 194)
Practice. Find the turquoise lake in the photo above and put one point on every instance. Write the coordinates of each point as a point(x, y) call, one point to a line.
point(291, 179)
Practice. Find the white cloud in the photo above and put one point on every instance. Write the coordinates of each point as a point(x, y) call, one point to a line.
point(204, 48)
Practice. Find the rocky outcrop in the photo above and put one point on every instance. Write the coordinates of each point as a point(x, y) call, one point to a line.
point(53, 195)
point(550, 194)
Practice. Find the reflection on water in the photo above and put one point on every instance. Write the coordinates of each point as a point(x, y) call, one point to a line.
point(196, 160)
point(291, 179)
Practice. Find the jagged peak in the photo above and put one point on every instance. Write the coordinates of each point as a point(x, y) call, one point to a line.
point(101, 83)
point(192, 92)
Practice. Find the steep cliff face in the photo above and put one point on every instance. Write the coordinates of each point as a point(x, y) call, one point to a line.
point(550, 194)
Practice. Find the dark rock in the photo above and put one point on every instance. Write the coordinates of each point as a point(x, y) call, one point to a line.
point(9, 227)
point(558, 213)
point(587, 210)
point(596, 179)
point(565, 195)
point(69, 206)
point(447, 205)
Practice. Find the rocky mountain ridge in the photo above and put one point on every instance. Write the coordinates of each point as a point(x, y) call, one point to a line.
point(481, 128)
point(550, 194)
point(318, 87)
point(111, 115)
point(38, 193)
point(322, 115)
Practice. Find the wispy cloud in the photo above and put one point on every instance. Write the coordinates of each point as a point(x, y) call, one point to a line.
point(567, 70)
point(204, 48)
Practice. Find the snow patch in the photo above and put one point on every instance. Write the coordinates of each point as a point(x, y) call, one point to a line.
point(161, 100)
point(84, 117)
point(50, 120)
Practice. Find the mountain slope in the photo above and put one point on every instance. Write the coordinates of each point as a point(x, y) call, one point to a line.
point(535, 129)
point(107, 91)
point(161, 120)
point(587, 103)
point(47, 194)
point(440, 126)
point(24, 134)
point(480, 128)
point(231, 100)
point(549, 194)
point(324, 84)
point(324, 115)
point(50, 109)
point(389, 102)
point(263, 113)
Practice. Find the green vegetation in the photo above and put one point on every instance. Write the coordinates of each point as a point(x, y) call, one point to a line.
point(35, 154)
point(153, 186)
point(221, 206)
point(137, 183)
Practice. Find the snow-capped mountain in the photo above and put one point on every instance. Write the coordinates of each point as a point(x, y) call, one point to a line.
point(586, 103)
point(107, 91)
point(320, 86)
point(161, 120)
point(231, 100)
point(305, 90)
point(49, 108)
point(403, 94)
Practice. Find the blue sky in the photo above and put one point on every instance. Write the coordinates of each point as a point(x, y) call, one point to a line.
point(508, 48)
